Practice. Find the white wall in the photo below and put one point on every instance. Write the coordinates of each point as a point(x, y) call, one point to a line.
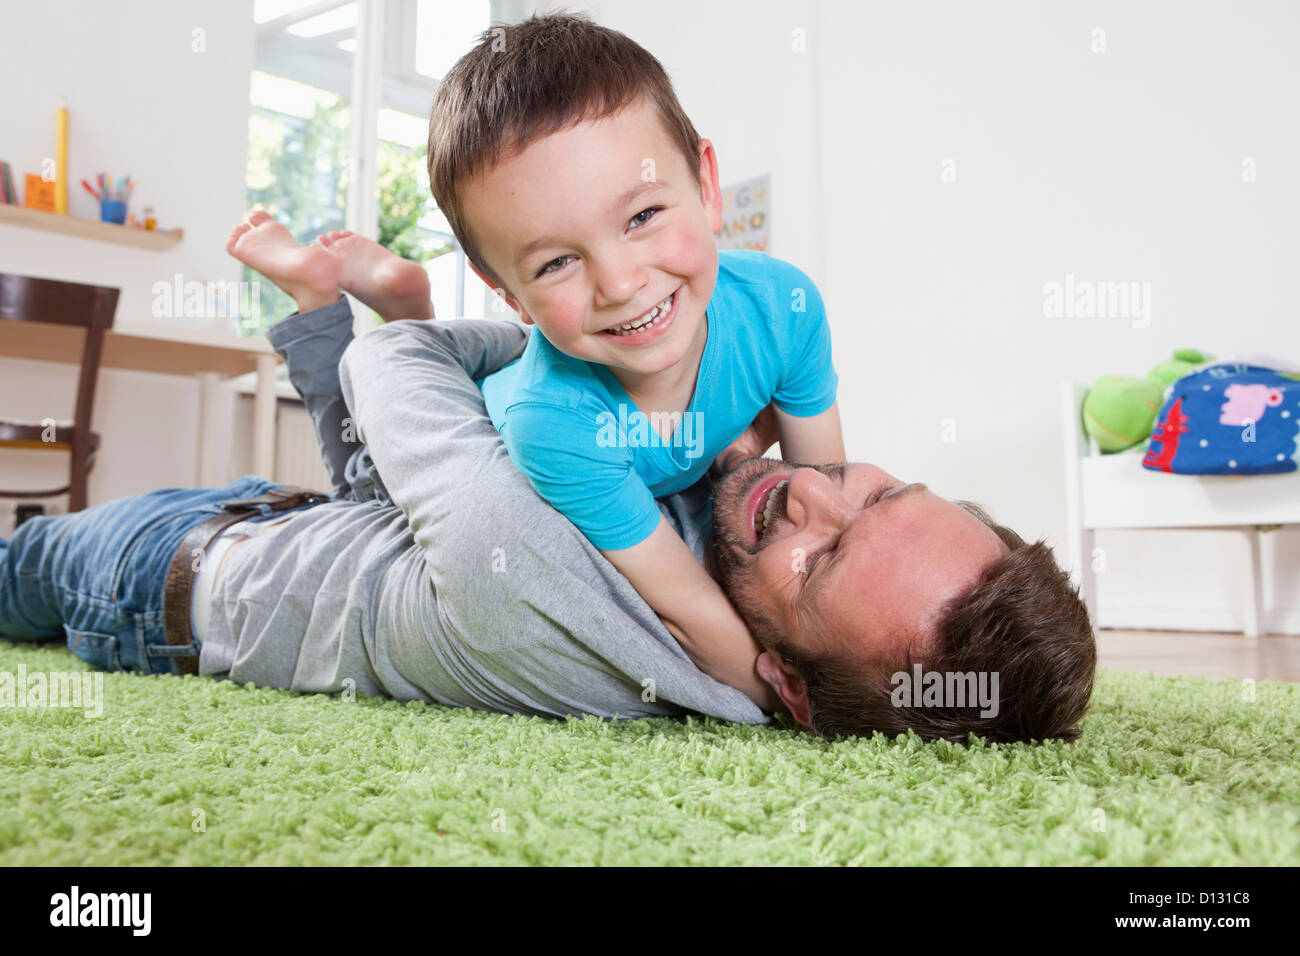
point(1119, 165)
point(141, 101)
point(1122, 165)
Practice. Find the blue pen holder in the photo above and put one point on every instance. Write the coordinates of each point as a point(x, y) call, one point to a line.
point(112, 210)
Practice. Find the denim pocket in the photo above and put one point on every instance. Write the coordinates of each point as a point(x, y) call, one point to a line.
point(100, 651)
point(199, 514)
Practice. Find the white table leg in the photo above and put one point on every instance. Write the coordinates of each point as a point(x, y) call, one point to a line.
point(1254, 610)
point(212, 468)
point(1088, 576)
point(264, 418)
point(1079, 541)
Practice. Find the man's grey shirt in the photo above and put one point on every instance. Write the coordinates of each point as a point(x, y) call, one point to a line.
point(437, 573)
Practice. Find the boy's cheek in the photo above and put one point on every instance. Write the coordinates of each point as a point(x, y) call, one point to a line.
point(563, 336)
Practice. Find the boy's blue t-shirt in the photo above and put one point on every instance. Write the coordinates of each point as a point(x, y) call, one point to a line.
point(589, 451)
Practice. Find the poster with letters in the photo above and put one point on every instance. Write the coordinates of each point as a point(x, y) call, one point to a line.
point(745, 214)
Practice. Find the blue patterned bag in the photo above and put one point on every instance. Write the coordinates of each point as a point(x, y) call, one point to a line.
point(1228, 419)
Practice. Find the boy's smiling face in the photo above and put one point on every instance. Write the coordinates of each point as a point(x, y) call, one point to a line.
point(584, 244)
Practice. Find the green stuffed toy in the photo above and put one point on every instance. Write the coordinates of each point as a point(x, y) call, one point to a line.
point(1118, 412)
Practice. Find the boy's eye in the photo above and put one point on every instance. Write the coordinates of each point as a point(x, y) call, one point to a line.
point(547, 268)
point(651, 210)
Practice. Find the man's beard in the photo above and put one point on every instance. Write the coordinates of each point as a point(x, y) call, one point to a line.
point(733, 553)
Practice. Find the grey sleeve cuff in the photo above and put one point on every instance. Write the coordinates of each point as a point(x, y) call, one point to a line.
point(330, 324)
point(311, 345)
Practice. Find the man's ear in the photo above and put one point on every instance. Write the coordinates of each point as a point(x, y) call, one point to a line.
point(503, 295)
point(787, 683)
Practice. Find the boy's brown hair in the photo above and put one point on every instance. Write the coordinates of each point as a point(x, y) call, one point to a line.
point(528, 80)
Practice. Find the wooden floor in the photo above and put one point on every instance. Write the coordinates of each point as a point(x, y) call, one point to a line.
point(1201, 654)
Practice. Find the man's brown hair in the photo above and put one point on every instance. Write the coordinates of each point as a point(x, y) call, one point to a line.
point(528, 80)
point(1022, 620)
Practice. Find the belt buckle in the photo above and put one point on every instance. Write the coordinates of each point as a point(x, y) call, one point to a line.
point(242, 504)
point(275, 499)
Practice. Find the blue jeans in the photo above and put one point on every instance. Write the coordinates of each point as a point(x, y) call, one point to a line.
point(96, 577)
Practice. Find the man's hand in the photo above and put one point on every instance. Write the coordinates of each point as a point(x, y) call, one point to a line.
point(753, 442)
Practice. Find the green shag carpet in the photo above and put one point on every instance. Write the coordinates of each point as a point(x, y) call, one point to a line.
point(1169, 771)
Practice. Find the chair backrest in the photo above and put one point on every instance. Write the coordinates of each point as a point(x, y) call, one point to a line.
point(92, 307)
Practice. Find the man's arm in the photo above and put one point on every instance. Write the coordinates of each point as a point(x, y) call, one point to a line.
point(409, 386)
point(516, 581)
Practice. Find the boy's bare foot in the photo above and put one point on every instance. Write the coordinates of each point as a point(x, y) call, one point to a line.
point(309, 273)
point(394, 287)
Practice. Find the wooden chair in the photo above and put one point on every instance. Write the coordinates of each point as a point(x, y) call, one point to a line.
point(28, 299)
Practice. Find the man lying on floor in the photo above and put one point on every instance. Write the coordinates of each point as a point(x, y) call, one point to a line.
point(436, 573)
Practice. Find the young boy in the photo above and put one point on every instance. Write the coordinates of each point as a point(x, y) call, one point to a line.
point(656, 350)
point(581, 192)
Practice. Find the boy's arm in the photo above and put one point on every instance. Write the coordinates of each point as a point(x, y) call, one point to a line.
point(807, 415)
point(814, 440)
point(811, 440)
point(409, 388)
point(695, 610)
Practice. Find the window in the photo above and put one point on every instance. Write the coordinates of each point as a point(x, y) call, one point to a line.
point(316, 167)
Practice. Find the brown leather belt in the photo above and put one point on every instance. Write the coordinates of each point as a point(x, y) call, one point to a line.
point(185, 562)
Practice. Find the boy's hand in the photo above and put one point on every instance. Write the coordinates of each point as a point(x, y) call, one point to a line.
point(753, 442)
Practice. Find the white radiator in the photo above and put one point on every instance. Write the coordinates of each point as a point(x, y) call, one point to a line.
point(297, 455)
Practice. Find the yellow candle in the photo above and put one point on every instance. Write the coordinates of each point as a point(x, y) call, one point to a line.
point(61, 159)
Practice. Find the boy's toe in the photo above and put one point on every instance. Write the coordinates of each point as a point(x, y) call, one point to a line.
point(235, 235)
point(259, 216)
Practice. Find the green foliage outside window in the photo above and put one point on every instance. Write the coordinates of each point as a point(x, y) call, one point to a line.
point(298, 173)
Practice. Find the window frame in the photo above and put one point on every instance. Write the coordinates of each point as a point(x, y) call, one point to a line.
point(384, 35)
